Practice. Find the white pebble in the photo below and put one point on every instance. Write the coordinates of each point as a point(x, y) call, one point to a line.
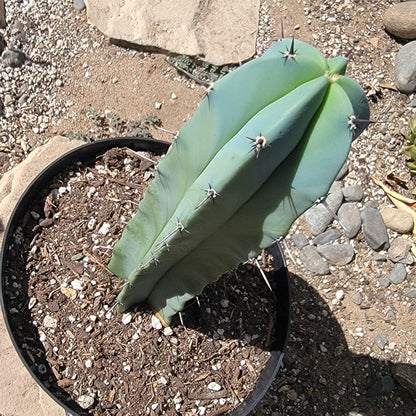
point(339, 294)
point(168, 331)
point(32, 303)
point(50, 322)
point(85, 401)
point(91, 191)
point(202, 410)
point(162, 380)
point(213, 386)
point(156, 324)
point(104, 229)
point(77, 284)
point(88, 363)
point(126, 318)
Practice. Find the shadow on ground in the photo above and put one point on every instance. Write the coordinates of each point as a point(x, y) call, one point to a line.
point(321, 376)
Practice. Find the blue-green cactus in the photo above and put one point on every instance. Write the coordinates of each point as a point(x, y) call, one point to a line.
point(267, 141)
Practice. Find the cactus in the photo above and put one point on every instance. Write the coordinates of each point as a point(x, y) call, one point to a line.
point(264, 144)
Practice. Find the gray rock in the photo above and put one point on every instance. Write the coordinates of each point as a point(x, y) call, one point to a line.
point(399, 251)
point(398, 274)
point(313, 261)
point(411, 293)
point(78, 4)
point(400, 20)
point(390, 314)
point(379, 257)
point(374, 229)
point(405, 375)
point(371, 204)
point(397, 220)
point(12, 58)
point(299, 240)
point(350, 219)
point(338, 254)
point(383, 386)
point(216, 31)
point(383, 281)
point(405, 68)
point(353, 193)
point(321, 215)
point(380, 340)
point(326, 237)
point(357, 298)
point(334, 201)
point(335, 187)
point(317, 219)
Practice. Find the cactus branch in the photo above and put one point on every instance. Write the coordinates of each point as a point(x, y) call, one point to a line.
point(308, 111)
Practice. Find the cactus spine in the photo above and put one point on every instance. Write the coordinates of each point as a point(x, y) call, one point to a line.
point(262, 147)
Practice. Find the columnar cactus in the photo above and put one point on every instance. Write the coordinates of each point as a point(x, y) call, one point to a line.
point(266, 142)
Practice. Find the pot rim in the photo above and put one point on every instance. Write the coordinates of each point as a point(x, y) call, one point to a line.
point(82, 154)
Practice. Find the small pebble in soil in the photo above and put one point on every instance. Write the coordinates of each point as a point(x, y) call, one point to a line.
point(381, 341)
point(384, 281)
point(156, 324)
point(357, 298)
point(85, 401)
point(339, 294)
point(126, 318)
point(167, 331)
point(398, 274)
point(213, 386)
point(49, 322)
point(77, 284)
point(411, 293)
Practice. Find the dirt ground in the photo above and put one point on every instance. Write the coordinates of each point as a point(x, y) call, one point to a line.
point(332, 359)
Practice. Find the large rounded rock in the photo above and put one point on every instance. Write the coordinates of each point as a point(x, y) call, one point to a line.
point(374, 229)
point(217, 31)
point(397, 220)
point(400, 20)
point(405, 68)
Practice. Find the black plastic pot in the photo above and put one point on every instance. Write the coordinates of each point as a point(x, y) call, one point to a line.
point(88, 152)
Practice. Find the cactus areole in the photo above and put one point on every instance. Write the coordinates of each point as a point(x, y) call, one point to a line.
point(263, 146)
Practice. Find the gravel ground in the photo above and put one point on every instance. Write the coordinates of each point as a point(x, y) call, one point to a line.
point(332, 358)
